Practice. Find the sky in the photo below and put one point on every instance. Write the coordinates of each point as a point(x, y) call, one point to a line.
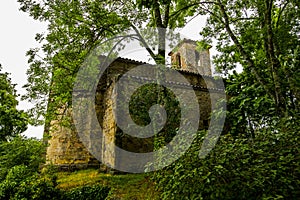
point(17, 33)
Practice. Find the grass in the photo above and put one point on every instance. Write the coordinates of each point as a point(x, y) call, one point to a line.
point(128, 186)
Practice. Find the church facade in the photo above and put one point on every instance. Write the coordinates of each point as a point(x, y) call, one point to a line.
point(65, 147)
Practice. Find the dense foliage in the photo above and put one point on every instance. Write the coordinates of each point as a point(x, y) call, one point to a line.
point(267, 167)
point(20, 160)
point(21, 177)
point(12, 120)
point(88, 193)
point(262, 38)
point(21, 151)
point(21, 183)
point(147, 96)
point(259, 159)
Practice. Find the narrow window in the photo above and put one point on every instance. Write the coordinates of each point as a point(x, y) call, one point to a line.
point(205, 124)
point(197, 57)
point(178, 60)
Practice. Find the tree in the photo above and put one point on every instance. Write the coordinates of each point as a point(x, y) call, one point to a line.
point(21, 151)
point(76, 27)
point(12, 120)
point(263, 38)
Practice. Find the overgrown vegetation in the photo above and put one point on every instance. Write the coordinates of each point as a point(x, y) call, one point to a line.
point(266, 167)
point(20, 151)
point(21, 178)
point(128, 186)
point(87, 193)
point(258, 157)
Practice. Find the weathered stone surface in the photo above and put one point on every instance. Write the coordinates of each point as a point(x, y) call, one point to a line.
point(65, 147)
point(186, 57)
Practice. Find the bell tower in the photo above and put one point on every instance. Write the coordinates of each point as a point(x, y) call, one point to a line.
point(185, 56)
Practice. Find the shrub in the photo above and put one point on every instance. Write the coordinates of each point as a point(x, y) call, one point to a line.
point(20, 160)
point(22, 183)
point(20, 178)
point(98, 192)
point(21, 151)
point(267, 167)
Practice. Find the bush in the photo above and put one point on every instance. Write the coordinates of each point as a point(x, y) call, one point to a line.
point(20, 160)
point(267, 167)
point(13, 179)
point(20, 177)
point(22, 183)
point(21, 151)
point(98, 192)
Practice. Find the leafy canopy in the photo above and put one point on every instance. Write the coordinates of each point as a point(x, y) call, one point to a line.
point(76, 27)
point(262, 37)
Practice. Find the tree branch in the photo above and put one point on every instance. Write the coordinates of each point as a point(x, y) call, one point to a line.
point(241, 49)
point(157, 14)
point(167, 14)
point(188, 6)
point(143, 42)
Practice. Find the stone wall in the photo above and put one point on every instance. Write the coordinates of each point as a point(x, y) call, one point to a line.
point(65, 147)
point(202, 86)
point(66, 150)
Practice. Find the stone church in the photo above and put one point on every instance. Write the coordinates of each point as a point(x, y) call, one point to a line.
point(65, 148)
